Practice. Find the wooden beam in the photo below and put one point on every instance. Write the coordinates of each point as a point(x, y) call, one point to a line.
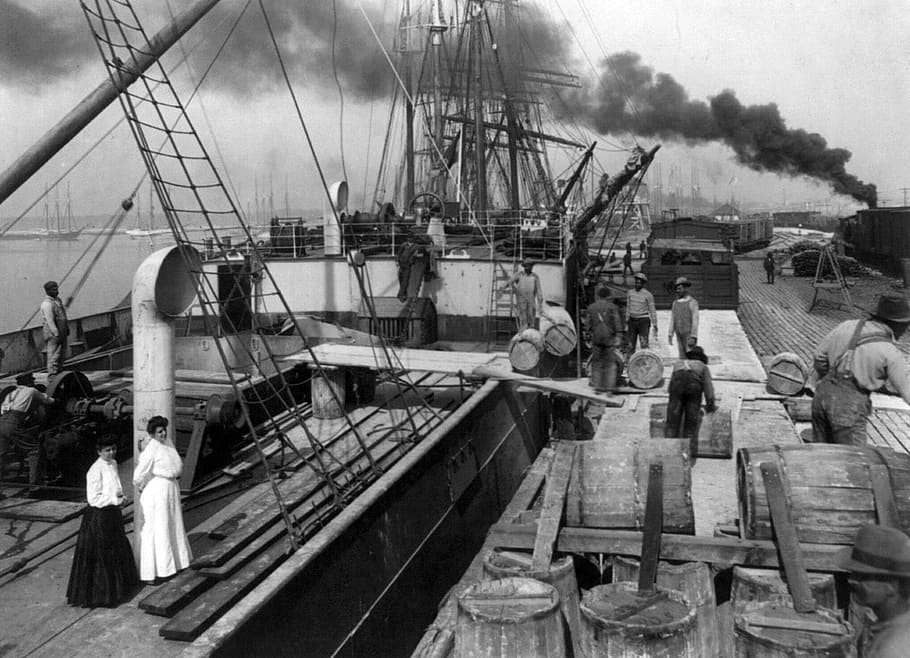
point(686, 548)
point(554, 503)
point(578, 388)
point(654, 517)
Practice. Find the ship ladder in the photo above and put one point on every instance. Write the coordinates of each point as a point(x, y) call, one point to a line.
point(502, 324)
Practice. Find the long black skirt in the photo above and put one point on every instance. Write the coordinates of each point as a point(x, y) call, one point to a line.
point(104, 571)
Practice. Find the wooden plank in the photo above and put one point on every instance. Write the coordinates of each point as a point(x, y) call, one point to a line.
point(654, 514)
point(794, 624)
point(554, 502)
point(578, 388)
point(167, 599)
point(532, 482)
point(885, 507)
point(29, 509)
point(785, 533)
point(685, 548)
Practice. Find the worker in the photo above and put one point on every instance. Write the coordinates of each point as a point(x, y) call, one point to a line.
point(642, 250)
point(879, 566)
point(770, 265)
point(603, 321)
point(855, 358)
point(641, 314)
point(20, 420)
point(690, 380)
point(627, 261)
point(55, 329)
point(683, 317)
point(407, 254)
point(528, 293)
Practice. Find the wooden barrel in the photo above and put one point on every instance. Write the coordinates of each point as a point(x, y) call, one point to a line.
point(769, 630)
point(621, 622)
point(715, 433)
point(325, 388)
point(524, 349)
point(829, 489)
point(509, 617)
point(799, 409)
point(502, 563)
point(608, 487)
point(696, 583)
point(558, 331)
point(645, 369)
point(787, 374)
point(768, 586)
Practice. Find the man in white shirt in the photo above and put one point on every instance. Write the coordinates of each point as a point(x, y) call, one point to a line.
point(19, 423)
point(641, 314)
point(55, 329)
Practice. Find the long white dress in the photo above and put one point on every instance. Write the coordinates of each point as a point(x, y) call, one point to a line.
point(163, 545)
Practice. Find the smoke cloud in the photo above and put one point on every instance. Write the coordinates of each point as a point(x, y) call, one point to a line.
point(630, 97)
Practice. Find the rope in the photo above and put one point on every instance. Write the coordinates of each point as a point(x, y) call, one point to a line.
point(344, 168)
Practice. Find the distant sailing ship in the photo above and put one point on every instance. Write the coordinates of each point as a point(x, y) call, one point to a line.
point(148, 230)
point(57, 227)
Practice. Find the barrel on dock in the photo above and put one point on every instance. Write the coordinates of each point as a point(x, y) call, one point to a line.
point(770, 630)
point(525, 349)
point(509, 617)
point(327, 388)
point(619, 621)
point(502, 563)
point(608, 488)
point(715, 433)
point(829, 487)
point(558, 331)
point(645, 369)
point(787, 374)
point(696, 583)
point(768, 586)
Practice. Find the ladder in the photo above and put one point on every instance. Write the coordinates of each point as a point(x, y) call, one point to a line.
point(823, 283)
point(502, 304)
point(233, 284)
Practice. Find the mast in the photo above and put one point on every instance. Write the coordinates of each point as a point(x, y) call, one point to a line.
point(437, 29)
point(93, 104)
point(480, 202)
point(409, 102)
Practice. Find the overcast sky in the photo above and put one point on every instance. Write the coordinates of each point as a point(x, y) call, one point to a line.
point(837, 68)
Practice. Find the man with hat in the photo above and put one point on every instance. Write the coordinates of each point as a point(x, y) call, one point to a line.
point(55, 329)
point(879, 566)
point(641, 314)
point(528, 294)
point(604, 324)
point(855, 358)
point(407, 255)
point(690, 380)
point(20, 416)
point(683, 317)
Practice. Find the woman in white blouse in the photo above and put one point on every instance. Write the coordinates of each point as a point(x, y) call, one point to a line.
point(163, 548)
point(103, 571)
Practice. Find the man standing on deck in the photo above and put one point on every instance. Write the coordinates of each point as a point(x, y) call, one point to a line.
point(641, 314)
point(642, 250)
point(683, 317)
point(19, 423)
point(627, 261)
point(855, 358)
point(55, 330)
point(769, 266)
point(528, 294)
point(690, 380)
point(879, 566)
point(603, 321)
point(406, 256)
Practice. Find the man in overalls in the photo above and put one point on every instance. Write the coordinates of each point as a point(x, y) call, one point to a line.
point(604, 323)
point(854, 359)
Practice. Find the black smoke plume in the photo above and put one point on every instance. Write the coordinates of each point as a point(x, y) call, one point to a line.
point(631, 98)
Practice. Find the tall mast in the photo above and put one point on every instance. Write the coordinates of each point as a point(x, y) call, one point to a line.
point(409, 101)
point(437, 29)
point(93, 104)
point(480, 202)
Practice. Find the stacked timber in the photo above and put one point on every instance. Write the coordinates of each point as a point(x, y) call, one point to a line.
point(833, 490)
point(787, 374)
point(621, 621)
point(525, 349)
point(608, 486)
point(645, 369)
point(695, 581)
point(510, 618)
point(558, 331)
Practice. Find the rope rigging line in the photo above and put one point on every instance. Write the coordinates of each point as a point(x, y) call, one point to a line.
point(344, 168)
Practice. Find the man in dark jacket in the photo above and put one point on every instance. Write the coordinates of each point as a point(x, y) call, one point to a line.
point(20, 418)
point(407, 254)
point(605, 326)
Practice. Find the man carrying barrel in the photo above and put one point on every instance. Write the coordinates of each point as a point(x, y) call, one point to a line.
point(603, 321)
point(528, 294)
point(879, 566)
point(690, 380)
point(641, 314)
point(855, 358)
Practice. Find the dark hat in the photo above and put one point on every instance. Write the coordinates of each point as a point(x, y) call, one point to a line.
point(527, 261)
point(640, 275)
point(878, 551)
point(697, 352)
point(682, 281)
point(893, 307)
point(603, 291)
point(25, 378)
point(49, 285)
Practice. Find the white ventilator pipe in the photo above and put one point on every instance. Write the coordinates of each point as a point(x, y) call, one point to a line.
point(162, 290)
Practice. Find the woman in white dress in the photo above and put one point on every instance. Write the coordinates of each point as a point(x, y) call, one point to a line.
point(163, 545)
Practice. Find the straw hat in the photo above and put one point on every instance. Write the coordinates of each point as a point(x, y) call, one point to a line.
point(878, 551)
point(640, 275)
point(527, 261)
point(892, 307)
point(682, 281)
